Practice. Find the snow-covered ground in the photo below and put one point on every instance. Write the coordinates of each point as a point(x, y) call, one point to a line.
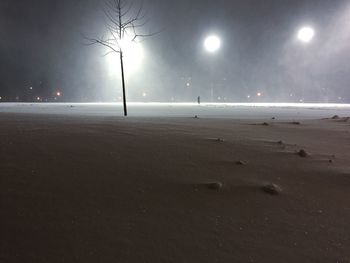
point(214, 110)
point(163, 189)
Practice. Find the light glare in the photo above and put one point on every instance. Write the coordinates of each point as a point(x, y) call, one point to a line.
point(133, 54)
point(212, 43)
point(306, 34)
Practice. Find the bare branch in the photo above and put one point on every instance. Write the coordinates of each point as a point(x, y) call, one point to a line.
point(105, 43)
point(110, 17)
point(109, 52)
point(145, 35)
point(128, 10)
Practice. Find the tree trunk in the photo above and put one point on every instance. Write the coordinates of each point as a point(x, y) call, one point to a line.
point(123, 83)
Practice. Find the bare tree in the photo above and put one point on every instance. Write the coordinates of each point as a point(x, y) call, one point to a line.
point(123, 20)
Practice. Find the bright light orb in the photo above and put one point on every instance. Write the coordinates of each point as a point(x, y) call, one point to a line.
point(212, 43)
point(306, 34)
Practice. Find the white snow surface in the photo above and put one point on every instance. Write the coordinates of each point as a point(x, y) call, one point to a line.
point(288, 111)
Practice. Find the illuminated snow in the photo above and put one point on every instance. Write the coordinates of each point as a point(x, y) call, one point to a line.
point(210, 110)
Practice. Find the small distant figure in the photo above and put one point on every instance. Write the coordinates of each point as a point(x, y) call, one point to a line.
point(199, 99)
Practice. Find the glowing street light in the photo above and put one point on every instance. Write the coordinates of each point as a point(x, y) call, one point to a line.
point(306, 34)
point(58, 94)
point(212, 43)
point(133, 54)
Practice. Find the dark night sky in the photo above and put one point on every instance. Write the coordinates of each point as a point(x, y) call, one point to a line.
point(41, 46)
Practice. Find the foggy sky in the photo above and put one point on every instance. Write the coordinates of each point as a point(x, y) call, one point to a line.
point(42, 46)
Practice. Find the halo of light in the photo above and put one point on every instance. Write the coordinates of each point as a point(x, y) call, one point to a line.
point(306, 34)
point(133, 54)
point(212, 43)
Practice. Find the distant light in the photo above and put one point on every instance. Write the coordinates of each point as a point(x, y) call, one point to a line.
point(120, 98)
point(259, 94)
point(58, 94)
point(212, 43)
point(38, 98)
point(306, 34)
point(0, 98)
point(30, 88)
point(144, 94)
point(248, 96)
point(219, 98)
point(188, 84)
